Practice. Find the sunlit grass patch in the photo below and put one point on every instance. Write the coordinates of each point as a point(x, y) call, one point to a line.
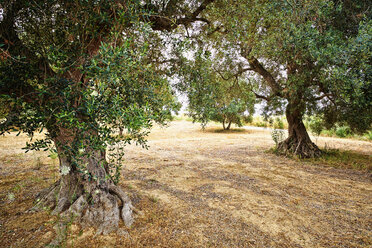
point(182, 117)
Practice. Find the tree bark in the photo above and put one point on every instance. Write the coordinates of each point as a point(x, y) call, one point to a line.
point(228, 126)
point(90, 196)
point(298, 141)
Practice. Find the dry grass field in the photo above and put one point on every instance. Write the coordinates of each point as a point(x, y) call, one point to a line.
point(206, 188)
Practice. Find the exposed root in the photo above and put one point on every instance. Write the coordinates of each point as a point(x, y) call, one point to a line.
point(126, 211)
point(99, 208)
point(301, 148)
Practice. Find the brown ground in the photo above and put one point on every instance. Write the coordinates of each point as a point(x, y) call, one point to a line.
point(205, 189)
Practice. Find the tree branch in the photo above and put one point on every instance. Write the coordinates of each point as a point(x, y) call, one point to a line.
point(240, 72)
point(261, 96)
point(257, 67)
point(163, 23)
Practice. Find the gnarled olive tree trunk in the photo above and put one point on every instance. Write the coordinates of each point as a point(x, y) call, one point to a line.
point(90, 196)
point(298, 141)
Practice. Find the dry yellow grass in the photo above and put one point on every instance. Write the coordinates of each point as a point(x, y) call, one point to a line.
point(205, 189)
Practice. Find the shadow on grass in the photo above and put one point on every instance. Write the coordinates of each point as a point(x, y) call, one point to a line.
point(344, 160)
point(232, 130)
point(336, 158)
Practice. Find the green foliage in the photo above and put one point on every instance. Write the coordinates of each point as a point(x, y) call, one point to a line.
point(351, 80)
point(261, 124)
point(315, 124)
point(213, 98)
point(318, 128)
point(275, 122)
point(369, 135)
point(343, 131)
point(248, 119)
point(80, 70)
point(278, 123)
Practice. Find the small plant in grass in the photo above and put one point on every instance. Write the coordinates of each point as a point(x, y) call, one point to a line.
point(11, 197)
point(154, 199)
point(278, 136)
point(18, 187)
point(53, 155)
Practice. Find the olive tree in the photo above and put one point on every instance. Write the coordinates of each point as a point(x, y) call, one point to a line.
point(79, 70)
point(302, 59)
point(211, 97)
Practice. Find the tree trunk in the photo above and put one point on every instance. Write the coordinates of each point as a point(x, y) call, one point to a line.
point(228, 126)
point(298, 141)
point(224, 124)
point(89, 196)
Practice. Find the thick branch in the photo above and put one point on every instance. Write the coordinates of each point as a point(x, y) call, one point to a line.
point(163, 23)
point(257, 67)
point(261, 96)
point(321, 97)
point(239, 73)
point(217, 29)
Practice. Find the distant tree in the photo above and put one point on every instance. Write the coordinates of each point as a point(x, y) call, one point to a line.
point(301, 58)
point(212, 98)
point(80, 70)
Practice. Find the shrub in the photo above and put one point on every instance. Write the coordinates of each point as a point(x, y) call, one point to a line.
point(342, 131)
point(248, 119)
point(316, 126)
point(278, 123)
point(369, 135)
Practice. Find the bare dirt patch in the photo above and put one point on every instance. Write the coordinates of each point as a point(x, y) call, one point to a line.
point(207, 188)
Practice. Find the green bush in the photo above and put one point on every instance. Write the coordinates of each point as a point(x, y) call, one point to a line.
point(261, 124)
point(343, 131)
point(369, 135)
point(315, 124)
point(248, 119)
point(278, 123)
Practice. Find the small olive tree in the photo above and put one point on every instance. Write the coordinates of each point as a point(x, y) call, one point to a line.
point(213, 98)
